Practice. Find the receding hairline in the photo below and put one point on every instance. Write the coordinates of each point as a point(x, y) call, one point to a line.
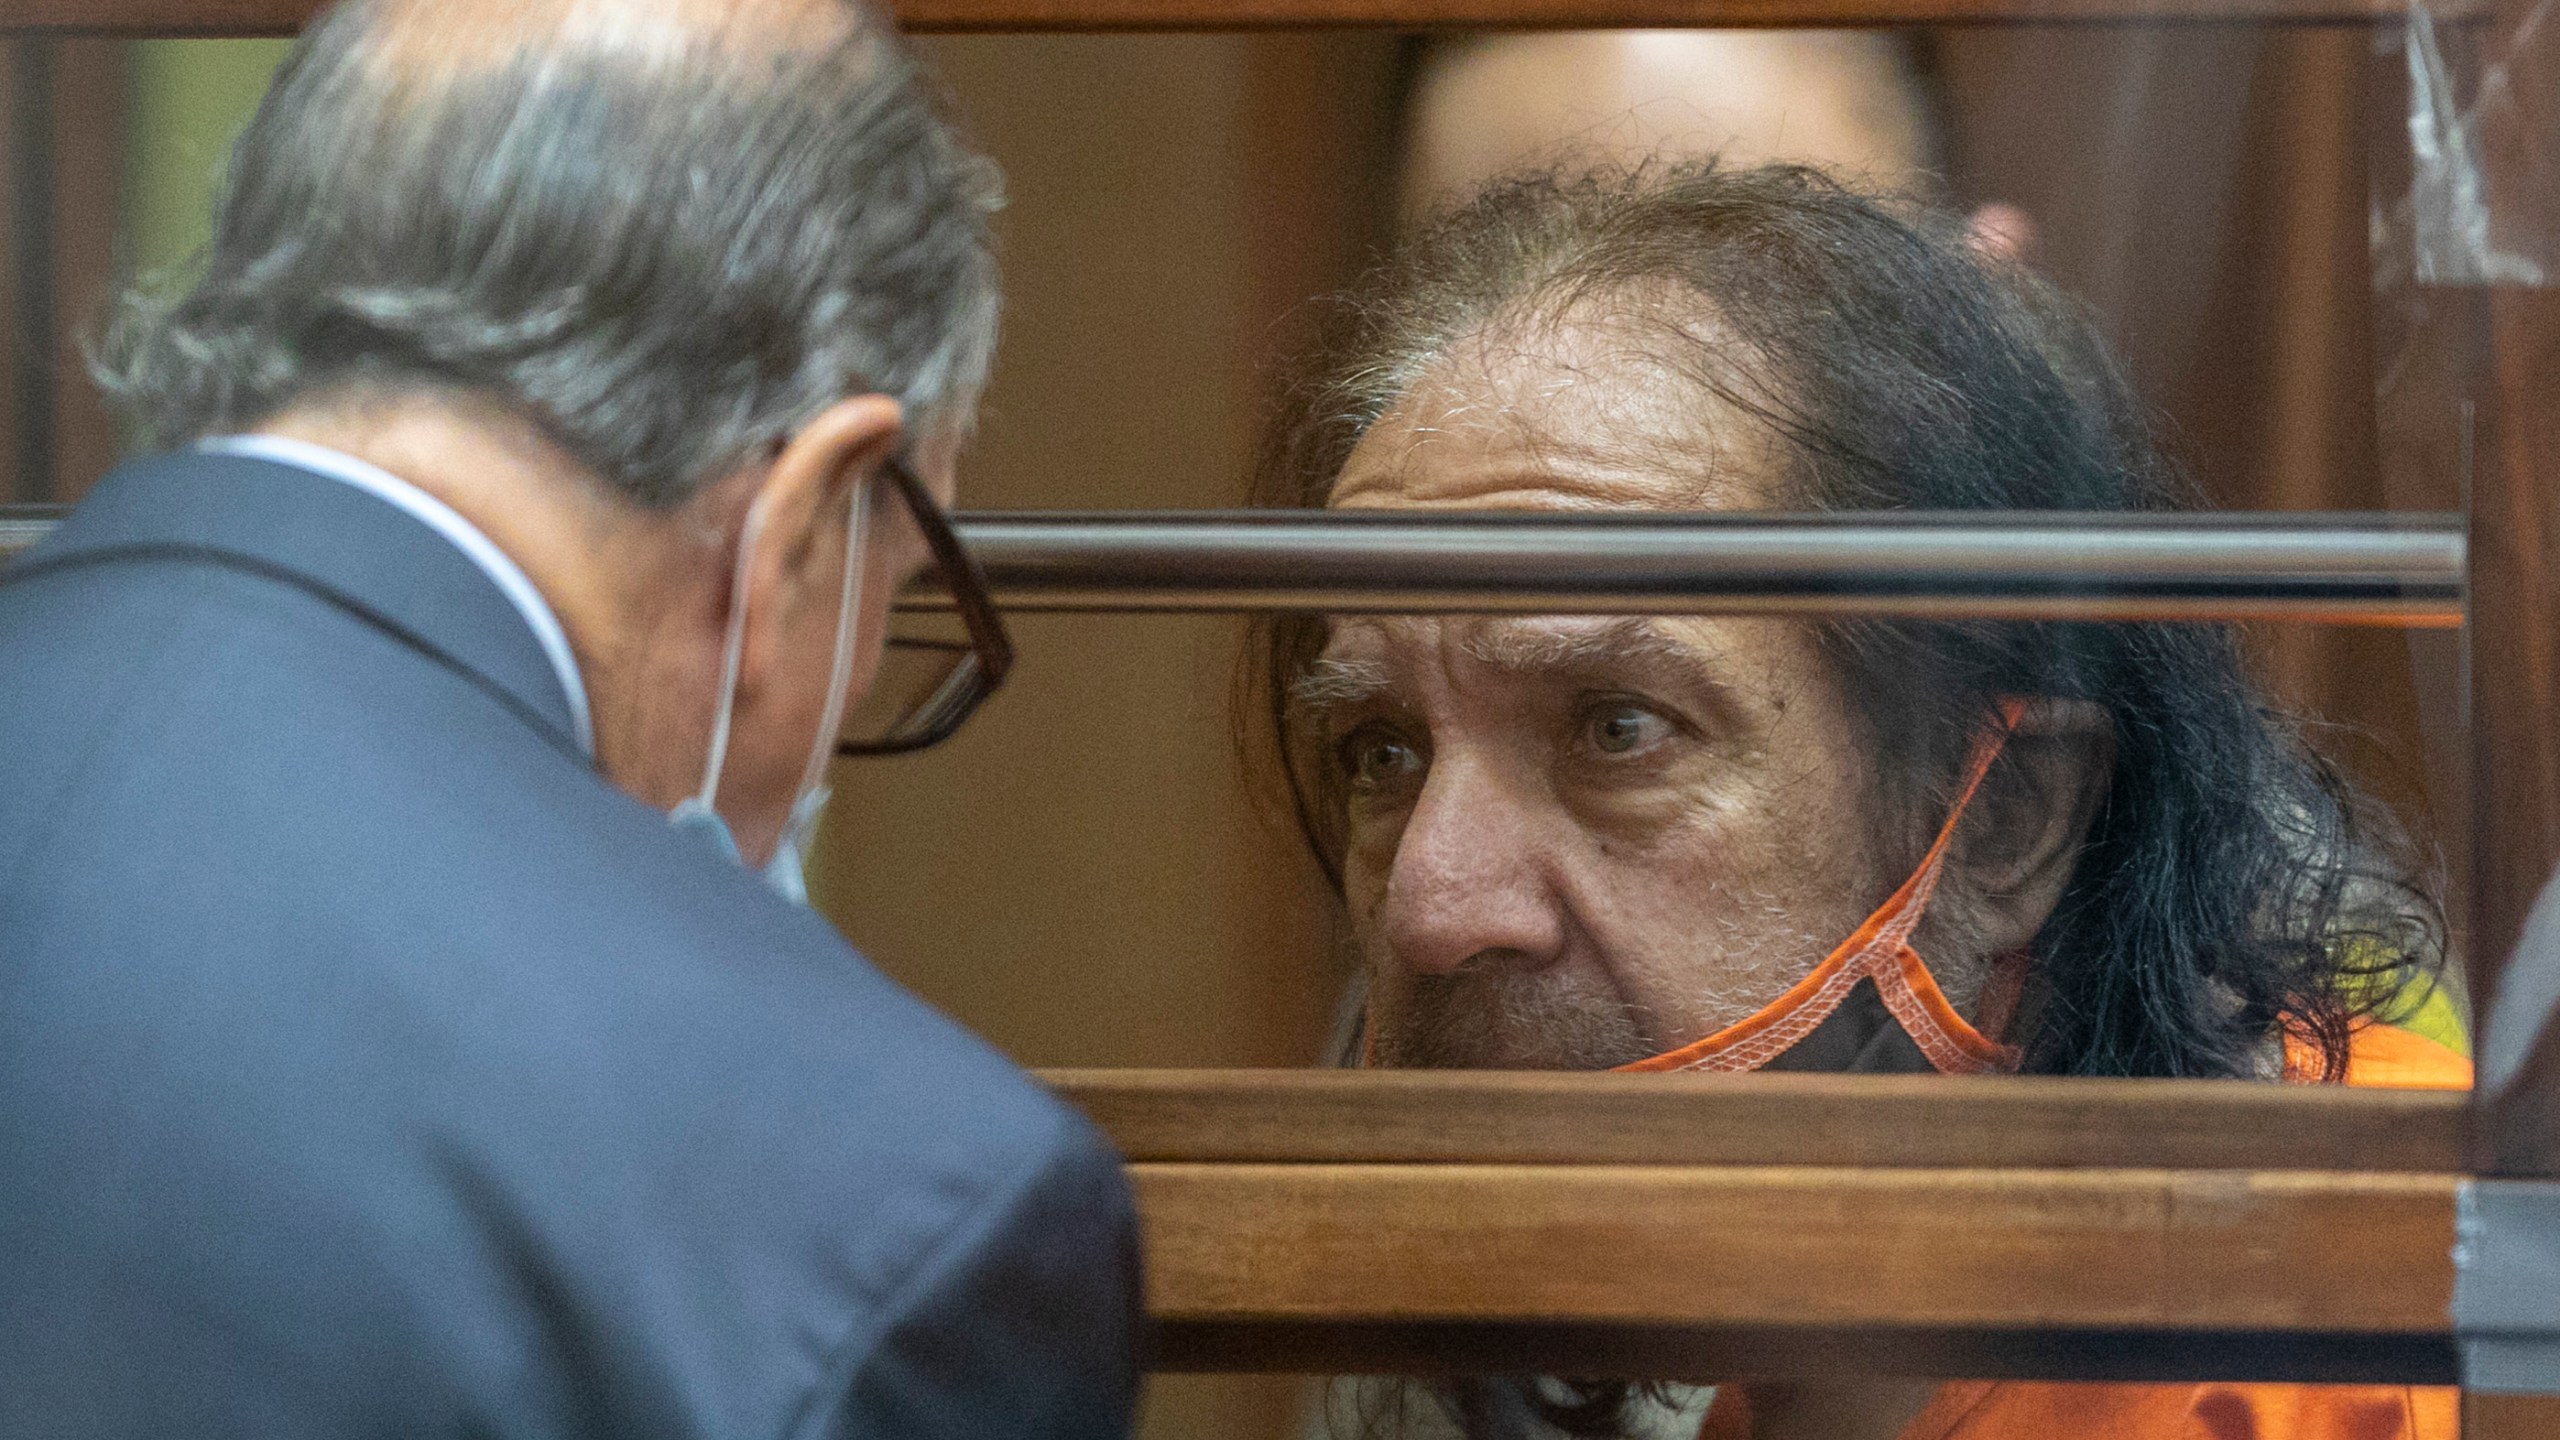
point(1598, 327)
point(415, 45)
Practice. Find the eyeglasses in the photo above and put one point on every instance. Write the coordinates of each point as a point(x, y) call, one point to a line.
point(937, 667)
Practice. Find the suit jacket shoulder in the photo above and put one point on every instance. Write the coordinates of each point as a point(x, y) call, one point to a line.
point(392, 1073)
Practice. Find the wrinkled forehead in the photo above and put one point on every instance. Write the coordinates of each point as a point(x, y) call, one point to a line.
point(1527, 644)
point(1747, 676)
point(1612, 404)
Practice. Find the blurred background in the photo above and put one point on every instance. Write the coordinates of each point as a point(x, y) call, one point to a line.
point(1085, 875)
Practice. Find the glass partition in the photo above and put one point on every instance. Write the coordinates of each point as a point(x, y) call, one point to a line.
point(2145, 272)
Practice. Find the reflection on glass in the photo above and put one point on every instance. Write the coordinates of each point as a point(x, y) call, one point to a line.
point(1868, 103)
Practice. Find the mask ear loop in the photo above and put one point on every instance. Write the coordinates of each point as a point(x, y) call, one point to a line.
point(1878, 951)
point(732, 652)
point(840, 671)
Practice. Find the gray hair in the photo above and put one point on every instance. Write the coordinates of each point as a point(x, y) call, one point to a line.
point(666, 262)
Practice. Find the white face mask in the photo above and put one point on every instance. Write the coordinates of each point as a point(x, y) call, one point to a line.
point(697, 814)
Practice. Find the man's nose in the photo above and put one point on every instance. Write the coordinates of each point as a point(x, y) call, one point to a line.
point(1470, 875)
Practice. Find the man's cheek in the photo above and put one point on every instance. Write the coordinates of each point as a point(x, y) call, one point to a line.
point(1680, 824)
point(1696, 937)
point(1367, 863)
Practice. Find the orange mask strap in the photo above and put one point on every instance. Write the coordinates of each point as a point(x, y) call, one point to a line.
point(1880, 951)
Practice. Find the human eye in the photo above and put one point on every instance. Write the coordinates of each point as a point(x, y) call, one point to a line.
point(1620, 727)
point(1374, 758)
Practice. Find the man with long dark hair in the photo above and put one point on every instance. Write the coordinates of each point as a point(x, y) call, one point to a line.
point(1728, 844)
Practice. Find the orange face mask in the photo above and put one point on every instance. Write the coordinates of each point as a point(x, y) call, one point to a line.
point(1826, 1022)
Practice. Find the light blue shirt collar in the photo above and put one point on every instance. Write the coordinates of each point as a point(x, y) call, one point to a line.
point(468, 538)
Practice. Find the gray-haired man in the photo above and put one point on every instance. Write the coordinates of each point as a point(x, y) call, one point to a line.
point(400, 1039)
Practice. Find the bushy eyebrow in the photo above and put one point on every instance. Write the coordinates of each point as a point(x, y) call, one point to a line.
point(1330, 683)
point(1630, 642)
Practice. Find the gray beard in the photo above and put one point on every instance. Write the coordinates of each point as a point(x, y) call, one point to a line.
point(1495, 1015)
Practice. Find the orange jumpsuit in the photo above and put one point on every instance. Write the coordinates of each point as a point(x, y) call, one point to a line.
point(2381, 1055)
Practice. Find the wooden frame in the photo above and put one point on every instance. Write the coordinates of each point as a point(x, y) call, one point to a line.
point(1344, 1117)
point(1725, 1272)
point(1720, 1226)
point(283, 17)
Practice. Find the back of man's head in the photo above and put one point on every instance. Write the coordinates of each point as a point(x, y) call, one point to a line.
point(663, 232)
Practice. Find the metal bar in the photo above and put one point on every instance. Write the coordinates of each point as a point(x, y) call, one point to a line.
point(2394, 570)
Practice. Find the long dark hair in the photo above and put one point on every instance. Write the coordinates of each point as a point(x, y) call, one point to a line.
point(2233, 884)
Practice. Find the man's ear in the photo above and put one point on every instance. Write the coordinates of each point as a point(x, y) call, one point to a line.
point(801, 531)
point(2021, 838)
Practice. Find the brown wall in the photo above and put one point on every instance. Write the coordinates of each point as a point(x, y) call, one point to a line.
point(1079, 875)
point(61, 148)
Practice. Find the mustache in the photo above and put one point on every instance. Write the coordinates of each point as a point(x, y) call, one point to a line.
point(1738, 949)
point(1498, 1012)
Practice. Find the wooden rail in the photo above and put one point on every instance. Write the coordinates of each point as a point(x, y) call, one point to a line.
point(1422, 1117)
point(282, 17)
point(1718, 1227)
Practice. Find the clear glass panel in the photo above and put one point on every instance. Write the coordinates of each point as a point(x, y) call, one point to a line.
point(2281, 232)
point(2204, 191)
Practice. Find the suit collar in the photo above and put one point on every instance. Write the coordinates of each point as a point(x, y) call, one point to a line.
point(495, 563)
point(349, 547)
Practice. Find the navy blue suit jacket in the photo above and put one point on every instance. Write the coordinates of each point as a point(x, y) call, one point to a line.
point(370, 1067)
